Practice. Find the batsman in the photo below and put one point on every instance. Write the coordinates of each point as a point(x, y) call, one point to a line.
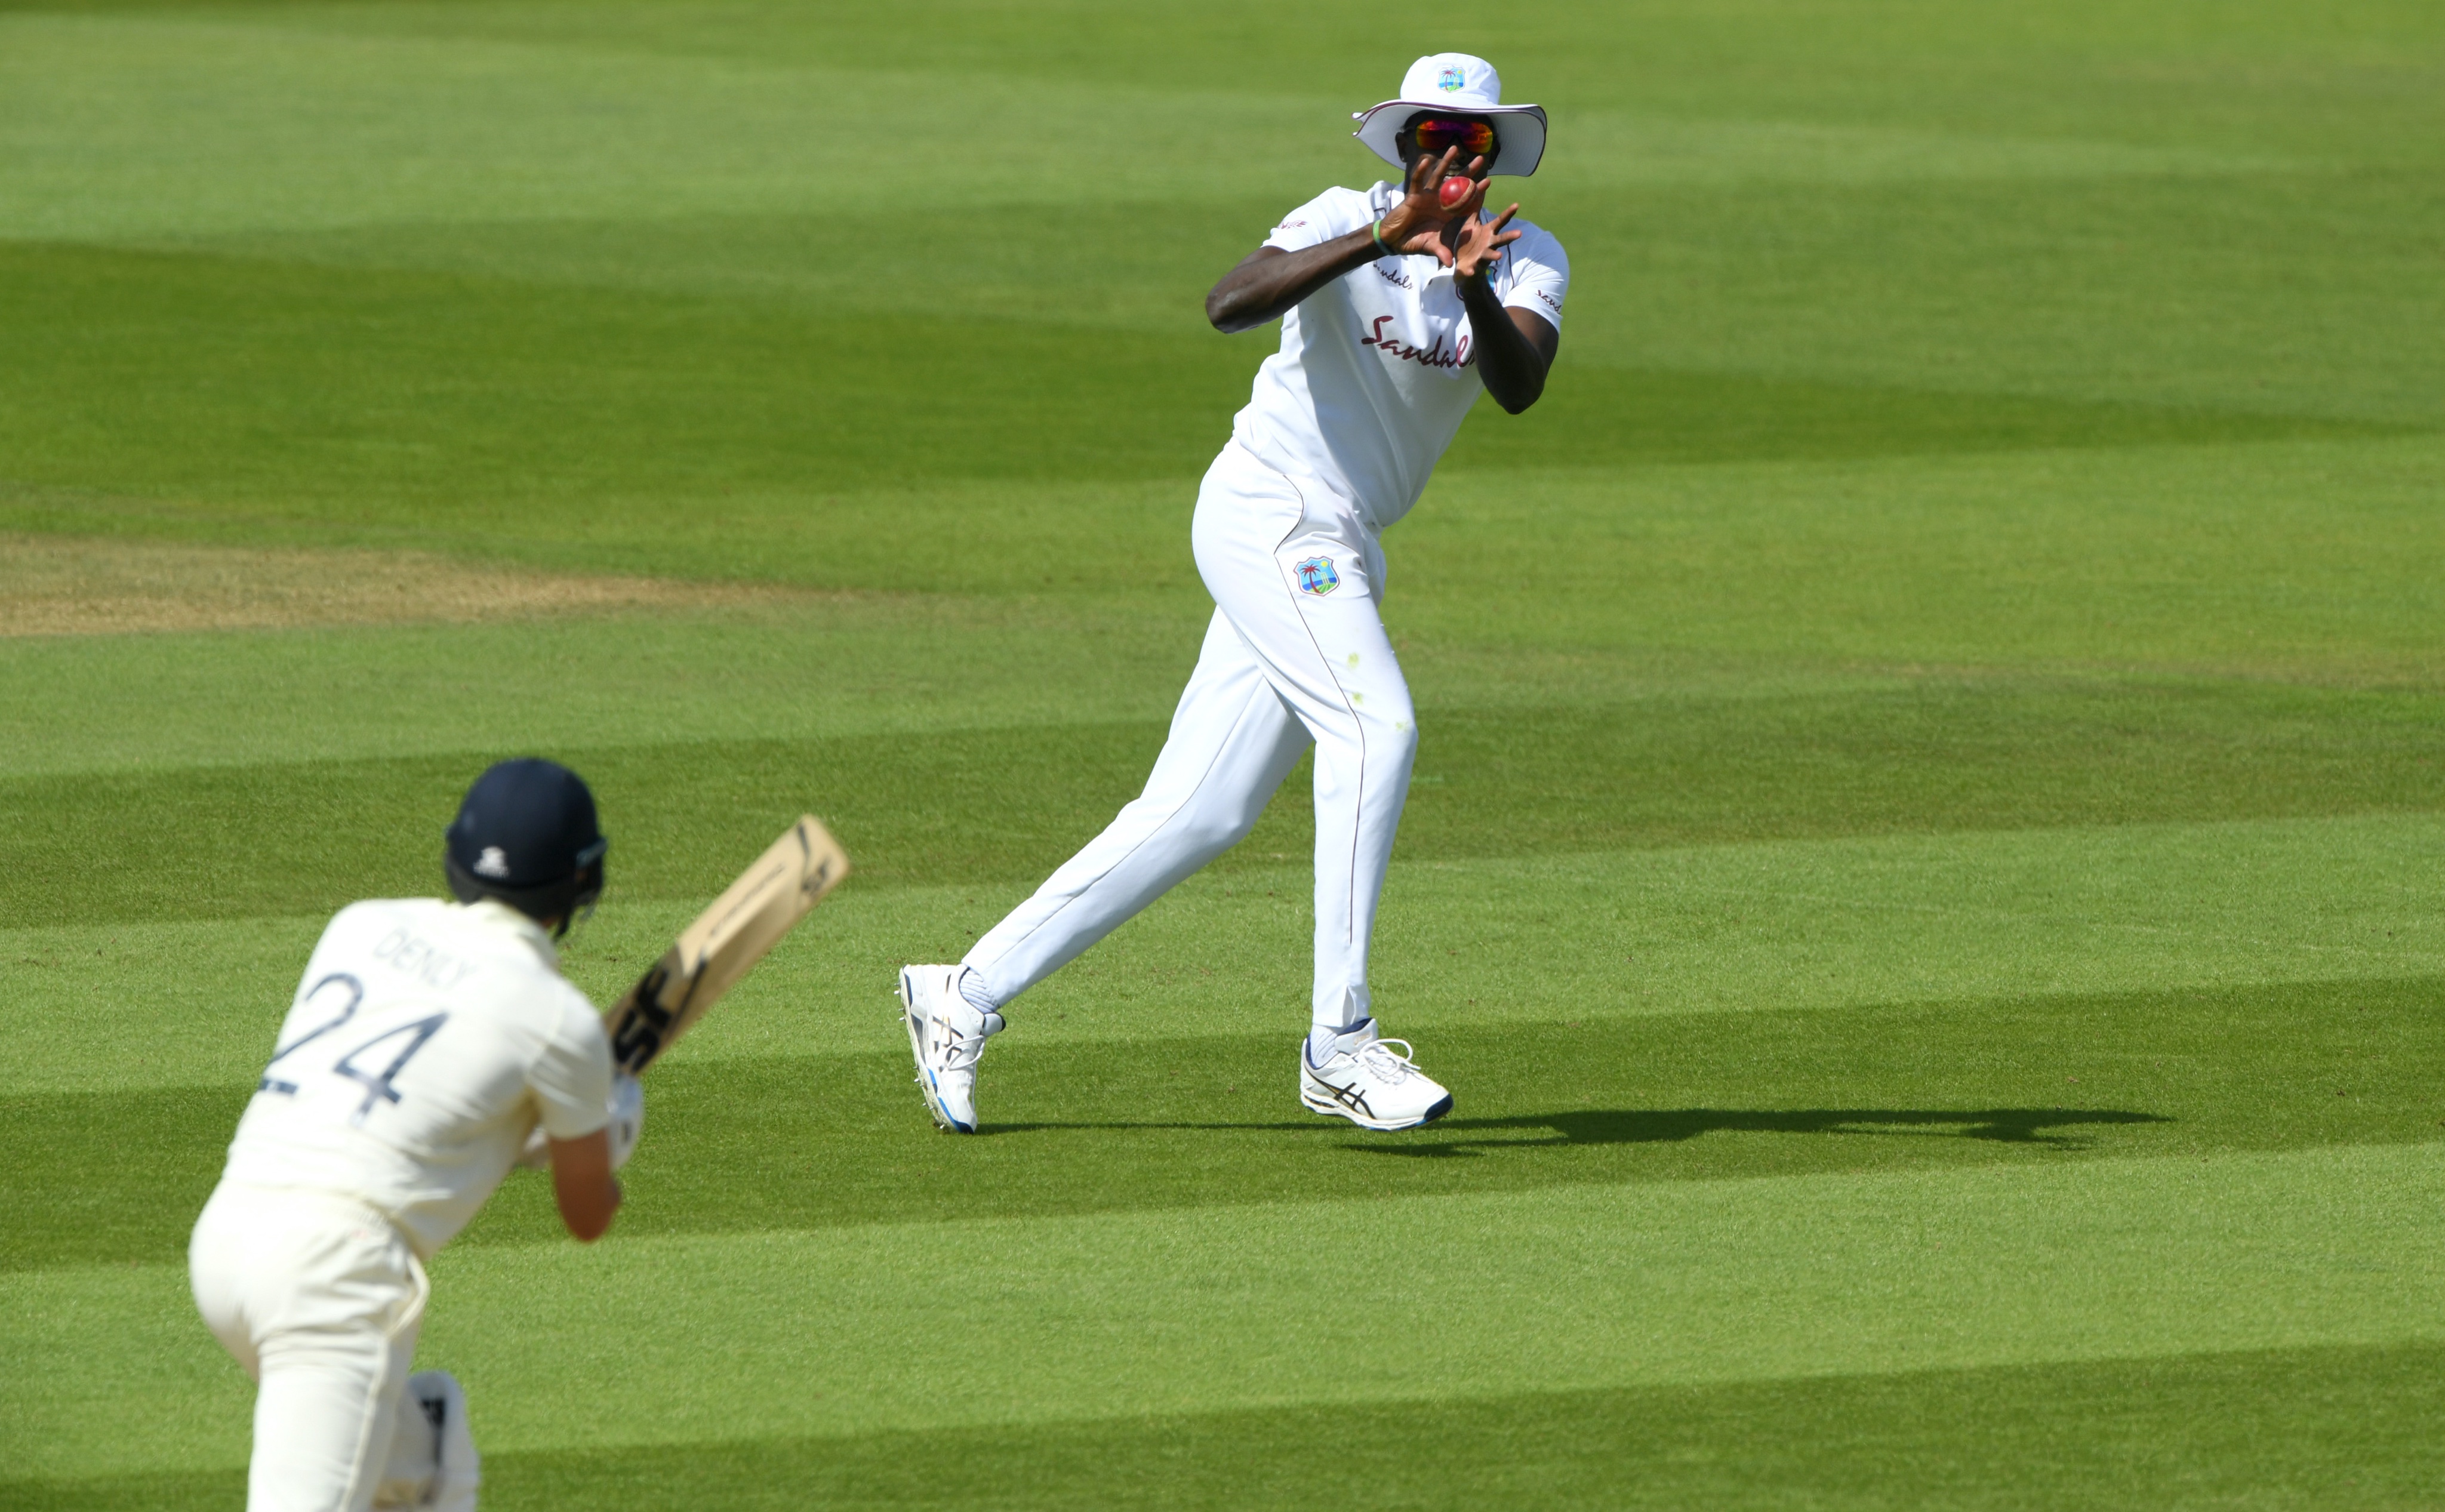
point(1399, 304)
point(430, 1047)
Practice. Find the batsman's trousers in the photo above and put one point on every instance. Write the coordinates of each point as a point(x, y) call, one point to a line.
point(1295, 655)
point(320, 1298)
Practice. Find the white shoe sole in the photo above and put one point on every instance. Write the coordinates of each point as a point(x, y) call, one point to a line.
point(913, 1021)
point(1316, 1096)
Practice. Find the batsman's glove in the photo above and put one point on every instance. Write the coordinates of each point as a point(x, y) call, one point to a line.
point(627, 1116)
point(628, 1108)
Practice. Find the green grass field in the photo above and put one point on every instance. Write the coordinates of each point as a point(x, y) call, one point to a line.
point(1926, 875)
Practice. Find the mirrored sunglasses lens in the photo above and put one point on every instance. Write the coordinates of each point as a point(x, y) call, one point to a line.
point(1472, 136)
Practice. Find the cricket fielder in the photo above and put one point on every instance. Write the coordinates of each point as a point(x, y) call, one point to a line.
point(1398, 304)
point(431, 1046)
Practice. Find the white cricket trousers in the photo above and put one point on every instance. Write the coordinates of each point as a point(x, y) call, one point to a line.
point(320, 1298)
point(1295, 655)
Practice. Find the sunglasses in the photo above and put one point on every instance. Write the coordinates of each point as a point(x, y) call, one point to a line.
point(1475, 139)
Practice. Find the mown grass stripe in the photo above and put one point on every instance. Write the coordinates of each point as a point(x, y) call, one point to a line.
point(1969, 919)
point(2332, 1427)
point(1007, 804)
point(1225, 1307)
point(822, 1141)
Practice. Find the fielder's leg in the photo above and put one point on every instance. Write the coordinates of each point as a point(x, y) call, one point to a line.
point(1294, 655)
point(1305, 601)
point(1232, 742)
point(1300, 578)
point(1282, 666)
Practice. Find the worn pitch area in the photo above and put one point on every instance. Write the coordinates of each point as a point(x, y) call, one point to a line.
point(1922, 874)
point(81, 585)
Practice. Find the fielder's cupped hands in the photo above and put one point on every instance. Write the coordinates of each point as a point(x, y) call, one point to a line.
point(1422, 225)
point(1454, 234)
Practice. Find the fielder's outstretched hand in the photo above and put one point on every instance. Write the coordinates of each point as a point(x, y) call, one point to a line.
point(1481, 242)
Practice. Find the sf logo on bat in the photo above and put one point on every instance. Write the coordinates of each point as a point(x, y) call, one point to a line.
point(639, 1034)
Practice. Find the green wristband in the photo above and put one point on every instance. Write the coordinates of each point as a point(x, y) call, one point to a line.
point(1377, 231)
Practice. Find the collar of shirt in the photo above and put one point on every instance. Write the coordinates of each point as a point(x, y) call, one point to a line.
point(500, 916)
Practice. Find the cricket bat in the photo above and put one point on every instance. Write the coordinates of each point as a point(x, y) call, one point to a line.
point(749, 919)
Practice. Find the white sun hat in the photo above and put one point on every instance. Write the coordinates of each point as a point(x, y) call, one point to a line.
point(1466, 87)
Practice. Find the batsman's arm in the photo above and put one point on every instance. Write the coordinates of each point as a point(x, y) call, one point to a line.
point(574, 1087)
point(583, 1186)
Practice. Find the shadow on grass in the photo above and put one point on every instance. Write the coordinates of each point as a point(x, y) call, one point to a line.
point(2012, 1125)
point(1644, 1126)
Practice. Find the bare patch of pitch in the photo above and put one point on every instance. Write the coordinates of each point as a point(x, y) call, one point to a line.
point(51, 586)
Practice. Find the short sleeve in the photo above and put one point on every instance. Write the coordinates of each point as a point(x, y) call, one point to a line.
point(1540, 275)
point(572, 1079)
point(1334, 212)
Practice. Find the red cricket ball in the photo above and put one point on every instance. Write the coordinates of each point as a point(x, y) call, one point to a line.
point(1456, 189)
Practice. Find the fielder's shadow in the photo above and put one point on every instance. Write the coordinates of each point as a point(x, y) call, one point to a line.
point(1451, 1137)
point(1664, 1126)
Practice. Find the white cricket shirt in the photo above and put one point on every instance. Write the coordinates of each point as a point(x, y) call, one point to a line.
point(426, 1040)
point(1378, 368)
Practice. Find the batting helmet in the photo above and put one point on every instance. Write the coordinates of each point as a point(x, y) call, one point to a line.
point(525, 836)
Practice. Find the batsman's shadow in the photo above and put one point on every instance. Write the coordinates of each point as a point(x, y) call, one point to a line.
point(2053, 1127)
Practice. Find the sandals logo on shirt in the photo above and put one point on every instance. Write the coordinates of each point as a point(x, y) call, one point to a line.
point(1316, 576)
point(1434, 355)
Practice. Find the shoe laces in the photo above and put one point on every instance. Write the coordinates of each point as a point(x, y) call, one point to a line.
point(966, 1048)
point(1385, 1063)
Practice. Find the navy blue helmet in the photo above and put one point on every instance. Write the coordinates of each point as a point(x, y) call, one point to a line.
point(525, 835)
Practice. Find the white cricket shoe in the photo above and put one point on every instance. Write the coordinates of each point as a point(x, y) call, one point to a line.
point(1364, 1079)
point(946, 1034)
